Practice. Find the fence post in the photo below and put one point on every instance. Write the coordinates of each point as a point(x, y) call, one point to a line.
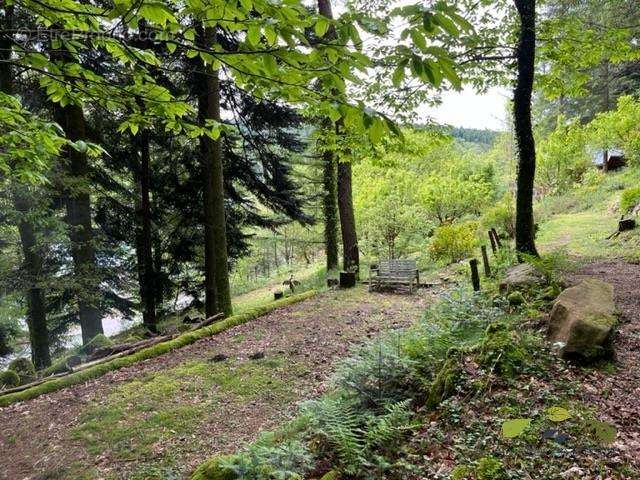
point(485, 261)
point(495, 234)
point(475, 277)
point(493, 242)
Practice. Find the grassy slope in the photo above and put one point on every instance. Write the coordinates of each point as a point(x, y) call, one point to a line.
point(580, 221)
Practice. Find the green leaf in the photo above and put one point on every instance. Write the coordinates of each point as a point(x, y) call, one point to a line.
point(418, 40)
point(604, 432)
point(558, 414)
point(398, 75)
point(321, 26)
point(253, 34)
point(515, 427)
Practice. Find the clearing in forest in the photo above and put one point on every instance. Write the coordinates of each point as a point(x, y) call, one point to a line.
point(161, 417)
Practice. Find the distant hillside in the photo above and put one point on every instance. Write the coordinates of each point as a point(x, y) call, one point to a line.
point(474, 135)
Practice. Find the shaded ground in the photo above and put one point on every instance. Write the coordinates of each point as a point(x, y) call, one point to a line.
point(163, 416)
point(617, 393)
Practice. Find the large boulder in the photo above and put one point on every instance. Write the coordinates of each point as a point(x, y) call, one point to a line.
point(582, 321)
point(521, 276)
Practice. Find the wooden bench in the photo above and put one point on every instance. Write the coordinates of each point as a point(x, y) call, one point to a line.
point(394, 274)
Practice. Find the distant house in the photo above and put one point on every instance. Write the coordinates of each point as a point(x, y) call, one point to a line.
point(614, 158)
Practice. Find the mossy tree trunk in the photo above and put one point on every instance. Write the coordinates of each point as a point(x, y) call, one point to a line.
point(525, 231)
point(330, 172)
point(217, 290)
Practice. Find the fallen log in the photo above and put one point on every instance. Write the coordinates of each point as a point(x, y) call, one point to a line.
point(123, 350)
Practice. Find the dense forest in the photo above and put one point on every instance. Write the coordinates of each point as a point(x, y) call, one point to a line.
point(171, 170)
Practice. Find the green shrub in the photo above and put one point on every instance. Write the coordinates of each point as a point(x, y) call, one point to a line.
point(9, 379)
point(629, 199)
point(24, 368)
point(454, 242)
point(460, 472)
point(502, 217)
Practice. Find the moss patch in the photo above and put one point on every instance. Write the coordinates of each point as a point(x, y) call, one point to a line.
point(173, 404)
point(154, 351)
point(9, 378)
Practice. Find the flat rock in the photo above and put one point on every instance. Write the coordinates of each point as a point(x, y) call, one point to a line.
point(583, 319)
point(521, 276)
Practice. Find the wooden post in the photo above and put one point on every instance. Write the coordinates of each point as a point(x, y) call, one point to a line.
point(485, 261)
point(495, 235)
point(493, 242)
point(475, 277)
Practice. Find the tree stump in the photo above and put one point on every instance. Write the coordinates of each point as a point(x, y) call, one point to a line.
point(278, 295)
point(626, 224)
point(347, 279)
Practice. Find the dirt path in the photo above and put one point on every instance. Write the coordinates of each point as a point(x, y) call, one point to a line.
point(161, 417)
point(617, 394)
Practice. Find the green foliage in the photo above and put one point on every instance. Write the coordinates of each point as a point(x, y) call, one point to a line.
point(562, 159)
point(503, 350)
point(490, 468)
point(501, 216)
point(9, 378)
point(359, 440)
point(449, 198)
point(453, 242)
point(629, 198)
point(377, 374)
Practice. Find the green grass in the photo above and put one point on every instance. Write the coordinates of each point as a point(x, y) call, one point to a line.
point(150, 352)
point(580, 221)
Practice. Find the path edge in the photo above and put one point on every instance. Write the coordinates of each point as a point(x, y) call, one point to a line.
point(151, 352)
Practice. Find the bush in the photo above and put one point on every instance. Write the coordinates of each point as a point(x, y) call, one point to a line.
point(9, 379)
point(454, 242)
point(502, 217)
point(629, 199)
point(24, 368)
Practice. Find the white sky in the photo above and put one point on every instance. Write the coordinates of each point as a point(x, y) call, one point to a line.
point(470, 109)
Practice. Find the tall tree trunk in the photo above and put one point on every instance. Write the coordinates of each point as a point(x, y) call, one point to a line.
point(329, 172)
point(350, 254)
point(33, 259)
point(525, 230)
point(33, 262)
point(330, 210)
point(217, 291)
point(145, 255)
point(78, 205)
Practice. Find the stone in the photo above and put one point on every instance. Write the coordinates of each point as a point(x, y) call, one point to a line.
point(582, 321)
point(521, 276)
